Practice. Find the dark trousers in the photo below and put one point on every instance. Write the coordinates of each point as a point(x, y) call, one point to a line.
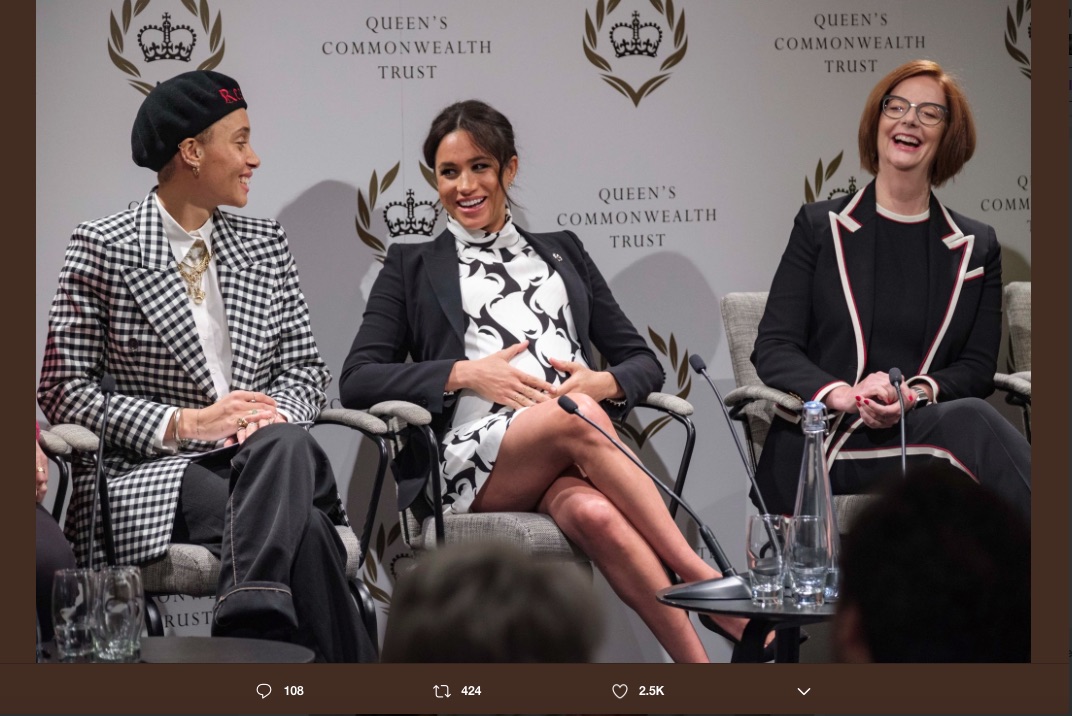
point(53, 552)
point(966, 434)
point(269, 511)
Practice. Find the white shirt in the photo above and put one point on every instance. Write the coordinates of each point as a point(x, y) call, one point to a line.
point(209, 315)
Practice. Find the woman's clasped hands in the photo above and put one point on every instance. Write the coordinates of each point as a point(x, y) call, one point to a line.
point(874, 398)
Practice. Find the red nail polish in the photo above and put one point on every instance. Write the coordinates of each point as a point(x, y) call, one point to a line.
point(857, 398)
point(867, 402)
point(911, 398)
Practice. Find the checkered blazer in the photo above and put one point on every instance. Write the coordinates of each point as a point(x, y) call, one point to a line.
point(121, 307)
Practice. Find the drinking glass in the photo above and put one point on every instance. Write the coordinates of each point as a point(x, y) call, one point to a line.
point(118, 613)
point(766, 558)
point(809, 559)
point(72, 613)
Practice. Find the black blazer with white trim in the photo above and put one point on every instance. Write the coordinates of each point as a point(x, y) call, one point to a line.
point(817, 325)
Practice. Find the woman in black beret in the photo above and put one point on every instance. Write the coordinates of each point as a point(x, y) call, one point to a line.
point(198, 316)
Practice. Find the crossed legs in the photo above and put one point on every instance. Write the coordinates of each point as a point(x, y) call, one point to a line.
point(559, 466)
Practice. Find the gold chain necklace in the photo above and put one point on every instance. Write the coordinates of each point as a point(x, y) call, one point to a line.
point(193, 269)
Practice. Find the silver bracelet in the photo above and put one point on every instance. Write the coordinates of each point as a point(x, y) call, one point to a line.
point(183, 443)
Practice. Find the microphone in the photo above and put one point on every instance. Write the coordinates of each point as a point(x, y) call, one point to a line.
point(730, 585)
point(700, 367)
point(895, 380)
point(108, 387)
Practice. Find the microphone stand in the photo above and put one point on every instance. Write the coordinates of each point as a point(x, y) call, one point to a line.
point(700, 367)
point(896, 378)
point(731, 585)
point(107, 389)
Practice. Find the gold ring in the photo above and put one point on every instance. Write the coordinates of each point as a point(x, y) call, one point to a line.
point(40, 469)
point(242, 423)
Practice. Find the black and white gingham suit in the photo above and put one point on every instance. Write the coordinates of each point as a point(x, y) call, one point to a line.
point(121, 307)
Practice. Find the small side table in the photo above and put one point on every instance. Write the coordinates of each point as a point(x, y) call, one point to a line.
point(210, 650)
point(786, 620)
point(221, 650)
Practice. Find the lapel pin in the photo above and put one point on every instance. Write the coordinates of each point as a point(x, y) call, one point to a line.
point(557, 257)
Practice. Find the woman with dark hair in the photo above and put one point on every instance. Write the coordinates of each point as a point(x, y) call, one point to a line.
point(889, 277)
point(499, 322)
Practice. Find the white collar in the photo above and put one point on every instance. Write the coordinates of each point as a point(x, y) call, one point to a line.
point(180, 239)
point(506, 236)
point(901, 218)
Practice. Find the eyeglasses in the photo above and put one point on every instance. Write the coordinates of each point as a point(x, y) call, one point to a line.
point(928, 113)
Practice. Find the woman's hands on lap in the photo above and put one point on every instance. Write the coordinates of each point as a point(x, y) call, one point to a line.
point(874, 398)
point(225, 417)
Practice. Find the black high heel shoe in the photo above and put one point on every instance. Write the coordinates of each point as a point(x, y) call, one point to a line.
point(768, 649)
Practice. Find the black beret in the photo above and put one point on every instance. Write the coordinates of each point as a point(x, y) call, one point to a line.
point(178, 108)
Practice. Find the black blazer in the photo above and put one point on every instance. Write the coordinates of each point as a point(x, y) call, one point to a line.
point(817, 325)
point(415, 310)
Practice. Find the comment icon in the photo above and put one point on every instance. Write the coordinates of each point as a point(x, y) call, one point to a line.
point(264, 690)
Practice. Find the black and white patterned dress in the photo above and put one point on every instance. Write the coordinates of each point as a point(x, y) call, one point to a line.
point(509, 294)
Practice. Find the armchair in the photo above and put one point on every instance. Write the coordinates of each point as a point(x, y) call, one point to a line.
point(192, 570)
point(752, 402)
point(1017, 382)
point(424, 526)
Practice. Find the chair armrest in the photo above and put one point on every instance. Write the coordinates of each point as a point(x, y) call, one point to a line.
point(739, 397)
point(60, 453)
point(679, 410)
point(377, 431)
point(667, 402)
point(78, 438)
point(405, 412)
point(1017, 385)
point(53, 445)
point(356, 419)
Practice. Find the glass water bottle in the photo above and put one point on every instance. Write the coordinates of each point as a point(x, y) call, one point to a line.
point(814, 495)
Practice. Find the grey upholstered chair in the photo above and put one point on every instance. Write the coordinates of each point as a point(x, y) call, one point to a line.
point(424, 526)
point(192, 570)
point(751, 401)
point(1017, 382)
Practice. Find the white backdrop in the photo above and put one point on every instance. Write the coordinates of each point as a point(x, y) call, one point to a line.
point(681, 195)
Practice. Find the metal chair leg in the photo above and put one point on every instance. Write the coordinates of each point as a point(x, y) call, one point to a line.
point(154, 622)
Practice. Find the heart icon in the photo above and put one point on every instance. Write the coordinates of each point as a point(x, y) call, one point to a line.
point(620, 690)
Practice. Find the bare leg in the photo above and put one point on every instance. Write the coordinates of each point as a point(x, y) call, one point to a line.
point(588, 518)
point(544, 443)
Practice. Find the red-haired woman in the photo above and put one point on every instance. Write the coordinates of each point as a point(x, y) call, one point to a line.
point(889, 277)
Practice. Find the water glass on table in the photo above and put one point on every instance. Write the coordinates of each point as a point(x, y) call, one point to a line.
point(72, 614)
point(808, 552)
point(766, 559)
point(118, 613)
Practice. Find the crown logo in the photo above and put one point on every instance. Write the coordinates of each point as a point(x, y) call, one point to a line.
point(851, 190)
point(402, 218)
point(156, 42)
point(635, 38)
